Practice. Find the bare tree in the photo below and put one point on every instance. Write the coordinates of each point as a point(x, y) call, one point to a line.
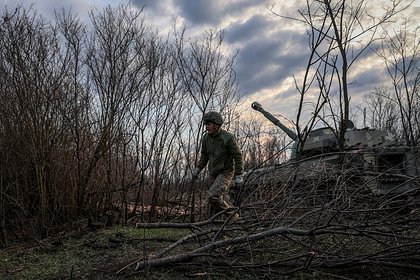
point(117, 74)
point(101, 117)
point(206, 75)
point(381, 111)
point(75, 108)
point(339, 33)
point(207, 78)
point(35, 76)
point(400, 52)
point(262, 144)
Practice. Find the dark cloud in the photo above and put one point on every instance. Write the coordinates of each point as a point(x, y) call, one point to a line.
point(258, 66)
point(199, 12)
point(366, 81)
point(204, 12)
point(266, 57)
point(239, 7)
point(154, 5)
point(258, 25)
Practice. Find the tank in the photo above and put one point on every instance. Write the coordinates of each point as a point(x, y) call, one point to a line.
point(370, 157)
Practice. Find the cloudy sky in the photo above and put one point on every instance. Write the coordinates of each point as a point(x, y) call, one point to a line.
point(271, 49)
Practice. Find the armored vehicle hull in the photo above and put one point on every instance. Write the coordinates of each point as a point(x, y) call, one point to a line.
point(371, 160)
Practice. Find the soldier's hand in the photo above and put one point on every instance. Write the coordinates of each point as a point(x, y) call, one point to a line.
point(239, 179)
point(194, 175)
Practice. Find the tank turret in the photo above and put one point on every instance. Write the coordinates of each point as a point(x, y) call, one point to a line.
point(319, 141)
point(323, 140)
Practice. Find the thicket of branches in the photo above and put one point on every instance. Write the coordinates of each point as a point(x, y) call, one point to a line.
point(397, 108)
point(340, 34)
point(105, 116)
point(289, 226)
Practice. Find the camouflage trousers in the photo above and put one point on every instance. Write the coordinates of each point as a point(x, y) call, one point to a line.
point(218, 193)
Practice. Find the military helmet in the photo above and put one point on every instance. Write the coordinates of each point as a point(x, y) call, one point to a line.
point(214, 117)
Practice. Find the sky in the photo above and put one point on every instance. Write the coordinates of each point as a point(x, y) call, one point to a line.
point(272, 50)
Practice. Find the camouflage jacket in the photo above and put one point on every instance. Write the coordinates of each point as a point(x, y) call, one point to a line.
point(222, 153)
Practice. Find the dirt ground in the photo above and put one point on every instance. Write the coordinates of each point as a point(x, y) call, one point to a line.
point(111, 253)
point(85, 254)
point(107, 253)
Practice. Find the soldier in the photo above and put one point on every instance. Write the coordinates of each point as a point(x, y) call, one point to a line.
point(220, 150)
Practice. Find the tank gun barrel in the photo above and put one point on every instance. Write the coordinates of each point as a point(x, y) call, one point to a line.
point(257, 106)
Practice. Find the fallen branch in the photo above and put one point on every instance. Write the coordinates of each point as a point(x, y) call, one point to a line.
point(186, 257)
point(195, 225)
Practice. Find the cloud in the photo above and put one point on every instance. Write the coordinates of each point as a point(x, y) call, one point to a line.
point(267, 54)
point(240, 31)
point(199, 12)
point(154, 5)
point(271, 48)
point(215, 12)
point(367, 80)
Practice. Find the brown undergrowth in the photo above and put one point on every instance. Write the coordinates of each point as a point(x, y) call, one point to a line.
point(119, 252)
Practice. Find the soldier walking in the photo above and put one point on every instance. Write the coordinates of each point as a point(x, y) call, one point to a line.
point(220, 150)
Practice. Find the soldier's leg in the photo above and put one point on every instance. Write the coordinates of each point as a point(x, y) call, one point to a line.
point(218, 193)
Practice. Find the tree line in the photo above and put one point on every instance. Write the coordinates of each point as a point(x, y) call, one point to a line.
point(102, 116)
